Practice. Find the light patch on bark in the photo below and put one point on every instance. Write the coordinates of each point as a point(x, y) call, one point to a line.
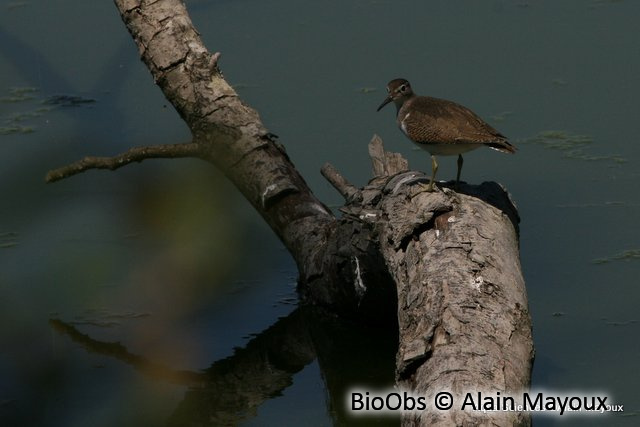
point(358, 282)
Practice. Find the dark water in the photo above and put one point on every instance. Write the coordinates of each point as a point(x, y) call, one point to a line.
point(165, 258)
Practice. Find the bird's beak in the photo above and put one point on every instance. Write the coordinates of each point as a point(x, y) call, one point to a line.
point(387, 100)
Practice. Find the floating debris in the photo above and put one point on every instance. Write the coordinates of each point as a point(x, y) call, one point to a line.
point(68, 100)
point(8, 240)
point(16, 5)
point(629, 254)
point(26, 115)
point(367, 89)
point(13, 123)
point(571, 145)
point(501, 117)
point(19, 94)
point(620, 322)
point(560, 140)
point(8, 130)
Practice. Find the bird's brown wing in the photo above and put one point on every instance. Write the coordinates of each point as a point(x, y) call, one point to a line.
point(433, 120)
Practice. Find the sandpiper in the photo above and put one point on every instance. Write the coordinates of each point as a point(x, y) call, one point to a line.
point(441, 127)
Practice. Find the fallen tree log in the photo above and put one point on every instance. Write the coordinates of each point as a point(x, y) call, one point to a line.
point(443, 265)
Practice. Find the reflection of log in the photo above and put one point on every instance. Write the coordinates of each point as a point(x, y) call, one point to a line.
point(237, 385)
point(232, 388)
point(120, 352)
point(445, 263)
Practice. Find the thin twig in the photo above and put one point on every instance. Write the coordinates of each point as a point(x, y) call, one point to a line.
point(136, 154)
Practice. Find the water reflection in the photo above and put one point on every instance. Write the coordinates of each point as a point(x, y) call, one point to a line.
point(120, 352)
point(231, 390)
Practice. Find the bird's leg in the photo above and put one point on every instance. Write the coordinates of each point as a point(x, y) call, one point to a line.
point(434, 169)
point(460, 162)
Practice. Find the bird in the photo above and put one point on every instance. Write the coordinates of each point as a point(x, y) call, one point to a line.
point(441, 127)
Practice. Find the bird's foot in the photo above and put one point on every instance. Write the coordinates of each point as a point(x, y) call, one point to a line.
point(430, 187)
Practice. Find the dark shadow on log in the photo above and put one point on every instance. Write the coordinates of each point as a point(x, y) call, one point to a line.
point(489, 192)
point(354, 355)
point(493, 194)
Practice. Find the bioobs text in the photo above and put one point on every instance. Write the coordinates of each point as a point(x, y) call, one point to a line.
point(393, 401)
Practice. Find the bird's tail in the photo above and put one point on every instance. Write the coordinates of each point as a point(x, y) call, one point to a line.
point(503, 146)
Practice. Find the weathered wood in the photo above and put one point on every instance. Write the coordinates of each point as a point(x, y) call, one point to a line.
point(383, 162)
point(462, 308)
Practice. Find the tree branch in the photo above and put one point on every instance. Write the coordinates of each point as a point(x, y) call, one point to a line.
point(340, 183)
point(136, 154)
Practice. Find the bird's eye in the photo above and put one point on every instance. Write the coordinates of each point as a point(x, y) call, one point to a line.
point(403, 88)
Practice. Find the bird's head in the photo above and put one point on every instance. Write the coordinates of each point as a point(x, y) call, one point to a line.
point(399, 90)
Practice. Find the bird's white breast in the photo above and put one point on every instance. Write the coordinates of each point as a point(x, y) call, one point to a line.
point(403, 124)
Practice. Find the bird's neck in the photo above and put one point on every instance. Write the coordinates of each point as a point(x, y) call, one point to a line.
point(402, 101)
